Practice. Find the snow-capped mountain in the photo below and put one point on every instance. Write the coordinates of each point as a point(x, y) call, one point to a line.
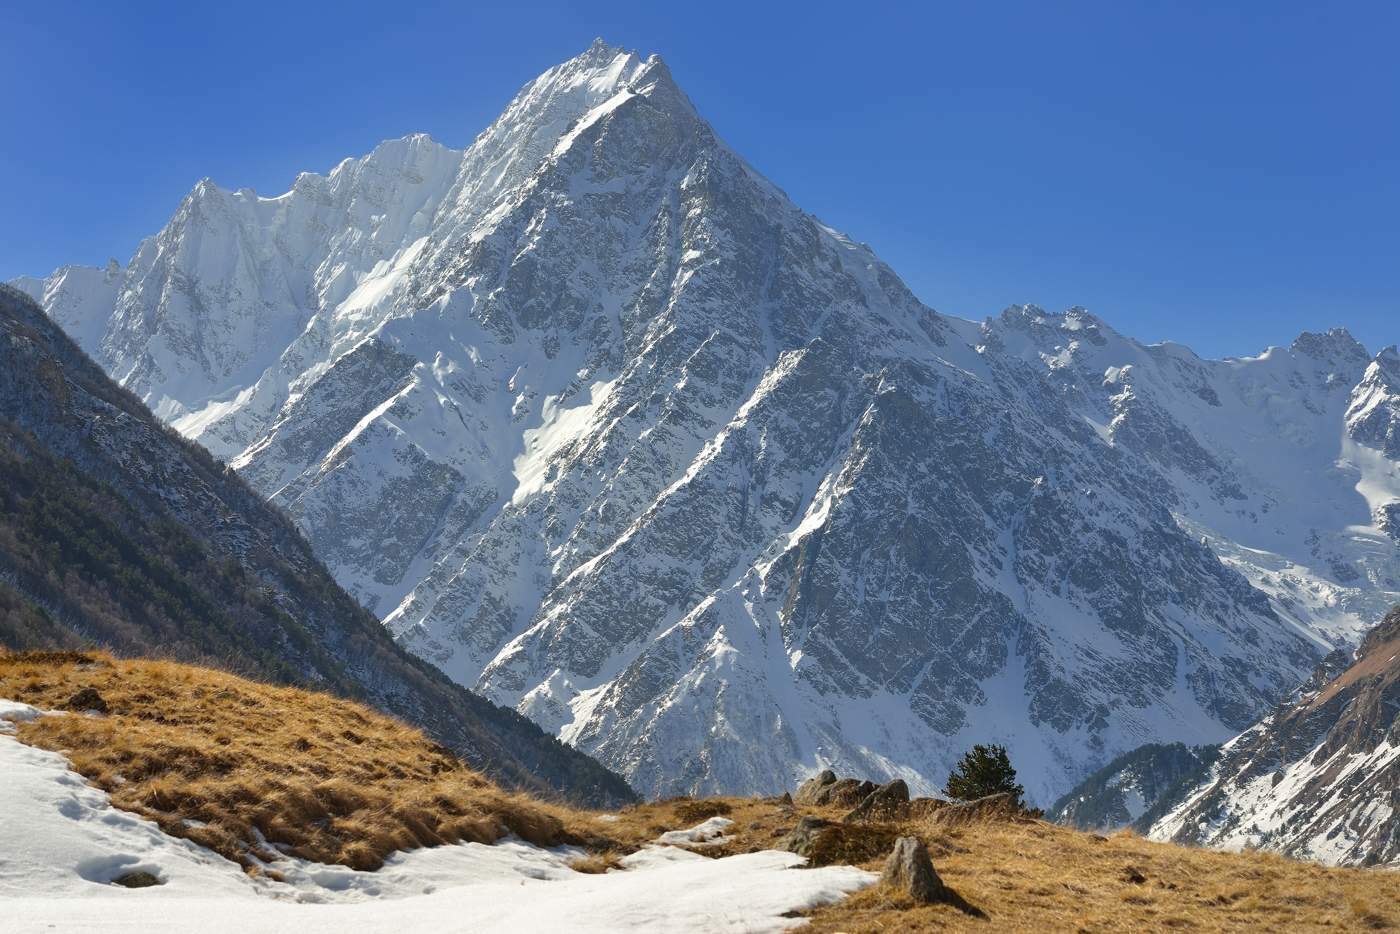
point(1319, 777)
point(604, 425)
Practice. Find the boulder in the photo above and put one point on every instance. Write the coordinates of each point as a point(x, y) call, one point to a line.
point(809, 790)
point(910, 871)
point(847, 792)
point(137, 879)
point(993, 807)
point(826, 842)
point(888, 802)
point(87, 699)
point(841, 792)
point(803, 838)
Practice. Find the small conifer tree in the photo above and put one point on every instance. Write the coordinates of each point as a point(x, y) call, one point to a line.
point(982, 771)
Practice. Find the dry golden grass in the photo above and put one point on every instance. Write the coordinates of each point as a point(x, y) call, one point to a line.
point(1034, 876)
point(689, 811)
point(594, 863)
point(1037, 876)
point(219, 760)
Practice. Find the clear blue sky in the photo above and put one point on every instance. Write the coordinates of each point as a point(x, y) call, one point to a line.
point(1223, 174)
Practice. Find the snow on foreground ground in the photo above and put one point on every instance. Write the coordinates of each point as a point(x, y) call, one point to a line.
point(61, 844)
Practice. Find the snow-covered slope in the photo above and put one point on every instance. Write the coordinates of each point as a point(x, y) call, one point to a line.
point(600, 422)
point(79, 298)
point(1319, 777)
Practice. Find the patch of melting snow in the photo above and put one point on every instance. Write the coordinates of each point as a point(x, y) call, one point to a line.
point(709, 833)
point(12, 712)
point(62, 844)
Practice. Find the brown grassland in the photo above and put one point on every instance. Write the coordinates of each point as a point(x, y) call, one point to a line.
point(218, 759)
point(1041, 877)
point(1036, 876)
point(336, 782)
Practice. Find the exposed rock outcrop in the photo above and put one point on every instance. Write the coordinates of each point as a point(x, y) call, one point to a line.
point(826, 842)
point(993, 807)
point(828, 790)
point(910, 871)
point(889, 802)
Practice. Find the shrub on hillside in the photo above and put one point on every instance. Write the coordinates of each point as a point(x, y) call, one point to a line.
point(984, 770)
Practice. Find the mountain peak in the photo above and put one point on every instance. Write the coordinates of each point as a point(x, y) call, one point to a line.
point(600, 55)
point(1032, 317)
point(437, 370)
point(414, 147)
point(1335, 344)
point(204, 188)
point(601, 48)
point(1387, 365)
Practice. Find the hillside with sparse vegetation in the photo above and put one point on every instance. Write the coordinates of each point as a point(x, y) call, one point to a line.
point(117, 533)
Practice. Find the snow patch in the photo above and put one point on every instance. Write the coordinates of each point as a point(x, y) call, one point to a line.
point(12, 712)
point(711, 833)
point(558, 427)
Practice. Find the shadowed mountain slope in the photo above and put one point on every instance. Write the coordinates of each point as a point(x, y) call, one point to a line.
point(117, 532)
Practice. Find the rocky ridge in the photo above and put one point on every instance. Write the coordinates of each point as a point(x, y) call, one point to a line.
point(1319, 778)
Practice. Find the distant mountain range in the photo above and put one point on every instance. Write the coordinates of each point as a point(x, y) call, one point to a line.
point(602, 424)
point(115, 531)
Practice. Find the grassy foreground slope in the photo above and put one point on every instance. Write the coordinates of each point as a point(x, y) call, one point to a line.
point(220, 760)
point(1042, 877)
point(1031, 875)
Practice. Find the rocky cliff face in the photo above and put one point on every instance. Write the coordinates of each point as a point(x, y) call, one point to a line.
point(115, 531)
point(1318, 778)
point(602, 424)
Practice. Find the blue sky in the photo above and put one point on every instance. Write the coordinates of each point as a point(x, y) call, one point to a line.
point(1223, 174)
